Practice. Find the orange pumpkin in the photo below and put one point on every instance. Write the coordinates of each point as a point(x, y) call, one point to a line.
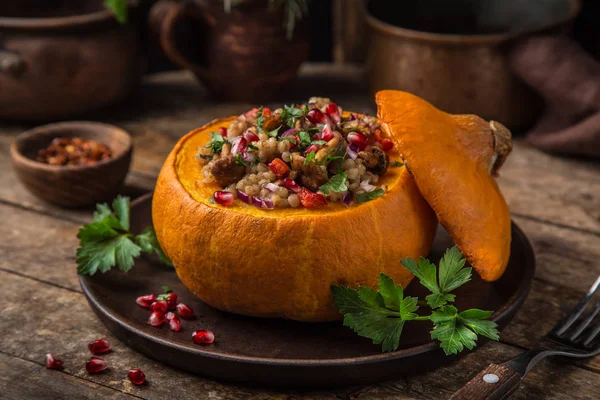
point(282, 262)
point(453, 159)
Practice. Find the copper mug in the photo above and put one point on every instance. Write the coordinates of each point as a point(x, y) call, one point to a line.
point(455, 53)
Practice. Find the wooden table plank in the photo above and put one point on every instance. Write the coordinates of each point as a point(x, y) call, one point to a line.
point(66, 325)
point(25, 380)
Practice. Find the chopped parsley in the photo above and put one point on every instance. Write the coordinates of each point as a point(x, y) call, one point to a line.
point(260, 119)
point(337, 184)
point(396, 164)
point(368, 196)
point(240, 161)
point(216, 143)
point(310, 157)
point(252, 147)
point(291, 114)
point(304, 139)
point(274, 132)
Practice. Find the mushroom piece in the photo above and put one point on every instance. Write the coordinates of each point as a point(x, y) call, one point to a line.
point(453, 159)
point(376, 160)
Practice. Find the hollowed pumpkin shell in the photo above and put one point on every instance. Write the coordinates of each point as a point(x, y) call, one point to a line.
point(282, 262)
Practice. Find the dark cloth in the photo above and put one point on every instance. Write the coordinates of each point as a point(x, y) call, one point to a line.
point(568, 79)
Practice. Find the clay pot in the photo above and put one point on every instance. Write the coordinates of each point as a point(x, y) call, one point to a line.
point(243, 55)
point(454, 53)
point(59, 58)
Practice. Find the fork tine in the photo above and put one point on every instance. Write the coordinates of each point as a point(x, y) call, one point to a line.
point(578, 310)
point(592, 333)
point(586, 321)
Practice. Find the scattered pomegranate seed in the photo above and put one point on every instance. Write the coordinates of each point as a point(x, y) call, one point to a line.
point(136, 376)
point(53, 363)
point(334, 112)
point(157, 318)
point(292, 185)
point(172, 300)
point(387, 144)
point(224, 198)
point(250, 136)
point(358, 139)
point(203, 337)
point(316, 116)
point(159, 306)
point(146, 301)
point(223, 132)
point(326, 133)
point(184, 311)
point(95, 365)
point(174, 321)
point(99, 346)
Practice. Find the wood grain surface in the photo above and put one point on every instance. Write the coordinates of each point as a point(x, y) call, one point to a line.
point(556, 201)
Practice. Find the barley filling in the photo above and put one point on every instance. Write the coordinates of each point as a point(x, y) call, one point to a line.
point(297, 156)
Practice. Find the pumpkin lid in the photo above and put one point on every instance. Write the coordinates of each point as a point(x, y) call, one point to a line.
point(453, 159)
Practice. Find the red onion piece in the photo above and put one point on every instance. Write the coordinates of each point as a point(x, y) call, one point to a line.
point(238, 145)
point(257, 201)
point(348, 199)
point(352, 117)
point(312, 147)
point(263, 203)
point(289, 132)
point(248, 157)
point(352, 151)
point(243, 196)
point(271, 187)
point(250, 136)
point(268, 203)
point(367, 186)
point(326, 134)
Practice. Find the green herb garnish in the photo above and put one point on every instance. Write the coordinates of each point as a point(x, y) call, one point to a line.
point(310, 157)
point(118, 8)
point(319, 142)
point(107, 241)
point(274, 132)
point(240, 161)
point(216, 143)
point(337, 184)
point(368, 196)
point(252, 147)
point(290, 114)
point(381, 315)
point(260, 119)
point(396, 164)
point(304, 139)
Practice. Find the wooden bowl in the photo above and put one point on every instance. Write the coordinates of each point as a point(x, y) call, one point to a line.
point(72, 186)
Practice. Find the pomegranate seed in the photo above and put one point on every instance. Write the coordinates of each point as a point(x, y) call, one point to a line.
point(224, 198)
point(53, 363)
point(174, 321)
point(250, 136)
point(203, 337)
point(146, 301)
point(159, 306)
point(95, 365)
point(327, 133)
point(99, 346)
point(312, 147)
point(185, 311)
point(358, 139)
point(387, 144)
point(292, 185)
point(172, 300)
point(136, 376)
point(316, 116)
point(156, 318)
point(334, 112)
point(223, 132)
point(239, 146)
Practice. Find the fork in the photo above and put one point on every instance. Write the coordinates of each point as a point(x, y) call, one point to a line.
point(573, 336)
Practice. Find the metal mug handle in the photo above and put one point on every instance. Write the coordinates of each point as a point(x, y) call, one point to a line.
point(11, 62)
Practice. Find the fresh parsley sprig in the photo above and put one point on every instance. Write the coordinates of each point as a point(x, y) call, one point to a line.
point(381, 315)
point(107, 241)
point(290, 114)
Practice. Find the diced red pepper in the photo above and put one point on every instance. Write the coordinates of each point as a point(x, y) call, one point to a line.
point(223, 132)
point(279, 168)
point(310, 199)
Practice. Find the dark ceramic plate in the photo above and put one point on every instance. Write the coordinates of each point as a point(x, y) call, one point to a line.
point(277, 352)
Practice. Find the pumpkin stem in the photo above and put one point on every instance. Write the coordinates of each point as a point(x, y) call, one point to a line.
point(502, 145)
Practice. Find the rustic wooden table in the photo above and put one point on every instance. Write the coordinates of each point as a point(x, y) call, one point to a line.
point(555, 200)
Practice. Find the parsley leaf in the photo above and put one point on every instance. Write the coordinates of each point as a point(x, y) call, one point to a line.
point(252, 147)
point(368, 196)
point(336, 184)
point(290, 114)
point(118, 8)
point(260, 119)
point(107, 242)
point(396, 164)
point(216, 143)
point(274, 132)
point(304, 139)
point(310, 157)
point(381, 315)
point(377, 316)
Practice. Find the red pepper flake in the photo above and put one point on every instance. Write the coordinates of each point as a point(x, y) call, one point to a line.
point(279, 168)
point(310, 199)
point(74, 151)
